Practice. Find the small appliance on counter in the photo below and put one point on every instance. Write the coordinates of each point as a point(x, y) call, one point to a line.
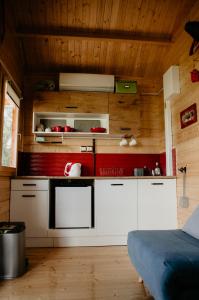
point(142, 171)
point(138, 172)
point(72, 169)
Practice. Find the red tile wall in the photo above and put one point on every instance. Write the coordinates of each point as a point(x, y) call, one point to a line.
point(163, 162)
point(52, 164)
point(124, 164)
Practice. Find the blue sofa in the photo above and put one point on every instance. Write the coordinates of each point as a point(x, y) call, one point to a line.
point(167, 261)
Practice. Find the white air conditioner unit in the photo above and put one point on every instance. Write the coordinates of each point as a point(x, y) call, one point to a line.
point(86, 82)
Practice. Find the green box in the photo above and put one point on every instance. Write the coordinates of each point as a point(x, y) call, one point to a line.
point(126, 86)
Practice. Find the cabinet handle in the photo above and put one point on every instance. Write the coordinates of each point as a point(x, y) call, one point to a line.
point(115, 184)
point(121, 102)
point(28, 196)
point(29, 184)
point(71, 107)
point(157, 183)
point(125, 128)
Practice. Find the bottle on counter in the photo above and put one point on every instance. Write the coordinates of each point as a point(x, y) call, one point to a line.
point(157, 171)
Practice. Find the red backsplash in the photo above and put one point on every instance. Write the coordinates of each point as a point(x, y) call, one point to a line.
point(123, 164)
point(52, 164)
point(163, 162)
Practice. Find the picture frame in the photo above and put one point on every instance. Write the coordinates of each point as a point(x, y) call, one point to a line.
point(188, 116)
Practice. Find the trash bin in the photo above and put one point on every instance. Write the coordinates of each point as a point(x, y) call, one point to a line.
point(12, 249)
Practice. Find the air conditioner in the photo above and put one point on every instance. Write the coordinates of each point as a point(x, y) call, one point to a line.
point(86, 82)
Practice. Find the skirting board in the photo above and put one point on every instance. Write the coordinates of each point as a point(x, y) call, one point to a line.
point(77, 241)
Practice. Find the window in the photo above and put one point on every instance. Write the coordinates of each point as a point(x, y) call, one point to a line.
point(10, 127)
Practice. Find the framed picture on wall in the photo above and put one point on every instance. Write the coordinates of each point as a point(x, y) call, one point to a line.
point(188, 116)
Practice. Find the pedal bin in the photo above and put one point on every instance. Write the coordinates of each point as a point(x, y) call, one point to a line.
point(12, 249)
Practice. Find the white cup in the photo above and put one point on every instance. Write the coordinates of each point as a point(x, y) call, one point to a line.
point(123, 142)
point(132, 142)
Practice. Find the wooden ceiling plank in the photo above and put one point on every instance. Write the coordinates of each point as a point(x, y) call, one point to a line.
point(96, 36)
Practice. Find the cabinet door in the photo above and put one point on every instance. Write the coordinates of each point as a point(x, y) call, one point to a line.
point(157, 207)
point(30, 207)
point(70, 102)
point(124, 113)
point(115, 206)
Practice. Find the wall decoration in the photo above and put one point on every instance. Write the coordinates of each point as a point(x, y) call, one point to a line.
point(188, 116)
point(194, 75)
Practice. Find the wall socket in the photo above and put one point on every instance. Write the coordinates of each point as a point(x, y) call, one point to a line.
point(83, 149)
point(86, 148)
point(89, 148)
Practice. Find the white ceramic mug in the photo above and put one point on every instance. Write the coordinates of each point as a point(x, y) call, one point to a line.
point(123, 142)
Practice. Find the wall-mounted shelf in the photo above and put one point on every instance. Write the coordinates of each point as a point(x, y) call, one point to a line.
point(81, 123)
point(40, 136)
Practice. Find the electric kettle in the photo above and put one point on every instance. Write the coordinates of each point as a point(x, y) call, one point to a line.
point(72, 169)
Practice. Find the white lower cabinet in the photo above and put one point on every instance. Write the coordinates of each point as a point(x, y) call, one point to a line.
point(120, 206)
point(30, 205)
point(115, 206)
point(157, 206)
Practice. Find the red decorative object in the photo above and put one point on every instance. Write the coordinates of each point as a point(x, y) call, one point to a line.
point(98, 129)
point(188, 116)
point(194, 75)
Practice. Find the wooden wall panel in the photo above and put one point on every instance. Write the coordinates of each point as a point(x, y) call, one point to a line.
point(11, 65)
point(4, 198)
point(186, 141)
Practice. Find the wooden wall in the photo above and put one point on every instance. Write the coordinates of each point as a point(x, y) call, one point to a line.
point(186, 140)
point(148, 128)
point(10, 68)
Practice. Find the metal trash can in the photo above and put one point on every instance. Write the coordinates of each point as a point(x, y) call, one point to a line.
point(12, 249)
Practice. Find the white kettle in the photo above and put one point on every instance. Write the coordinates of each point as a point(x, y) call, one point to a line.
point(72, 169)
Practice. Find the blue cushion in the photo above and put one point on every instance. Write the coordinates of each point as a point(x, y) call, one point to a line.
point(192, 225)
point(168, 262)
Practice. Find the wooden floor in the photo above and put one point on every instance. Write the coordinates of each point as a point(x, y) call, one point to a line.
point(76, 273)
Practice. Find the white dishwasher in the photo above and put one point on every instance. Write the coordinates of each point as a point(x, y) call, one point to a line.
point(72, 204)
point(72, 207)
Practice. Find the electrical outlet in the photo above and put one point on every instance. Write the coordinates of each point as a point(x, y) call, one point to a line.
point(89, 149)
point(83, 148)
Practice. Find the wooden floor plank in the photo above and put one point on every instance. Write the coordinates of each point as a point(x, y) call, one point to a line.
point(76, 273)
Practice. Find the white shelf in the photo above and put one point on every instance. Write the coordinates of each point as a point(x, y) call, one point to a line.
point(78, 135)
point(51, 119)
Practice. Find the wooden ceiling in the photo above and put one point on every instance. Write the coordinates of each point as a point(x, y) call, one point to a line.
point(120, 37)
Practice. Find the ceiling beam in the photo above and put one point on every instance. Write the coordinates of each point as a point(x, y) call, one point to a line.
point(101, 37)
